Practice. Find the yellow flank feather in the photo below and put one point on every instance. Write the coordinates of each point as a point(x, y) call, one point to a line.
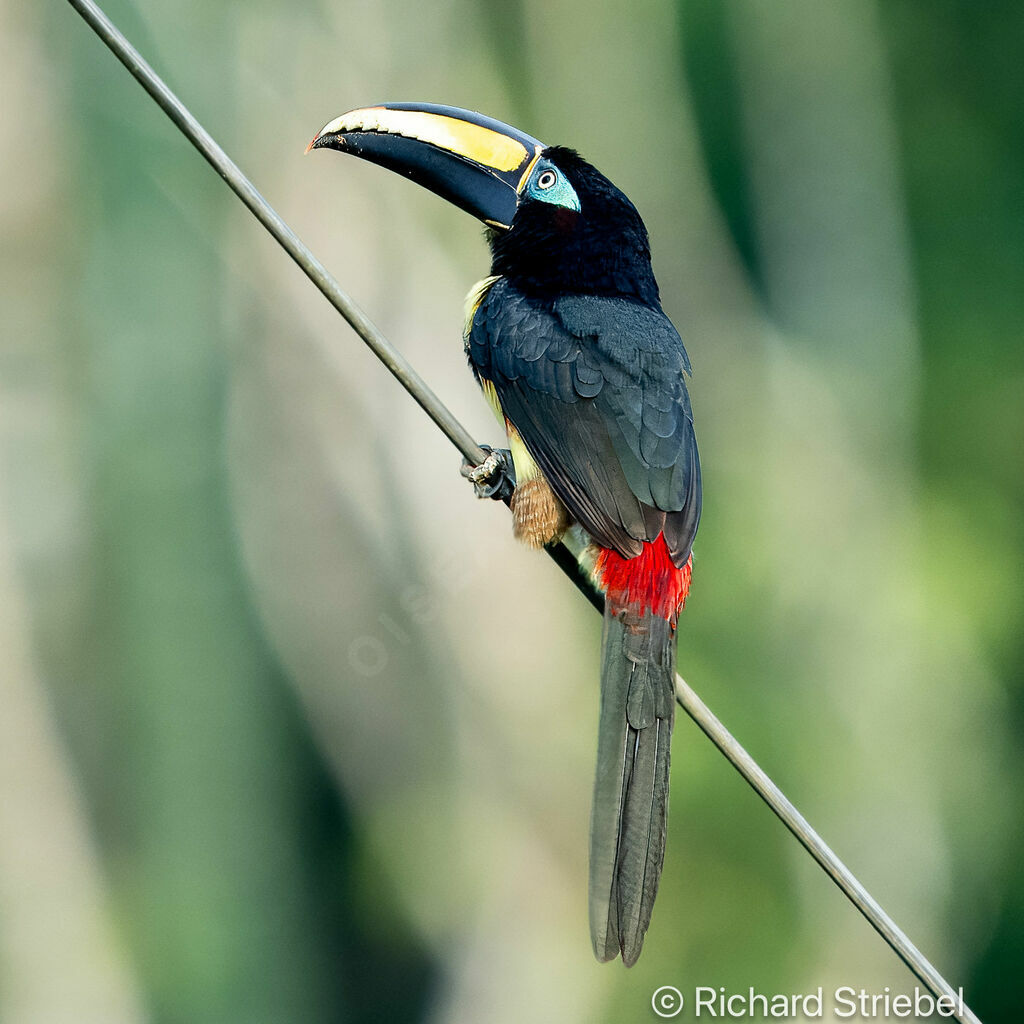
point(526, 468)
point(476, 295)
point(522, 460)
point(492, 399)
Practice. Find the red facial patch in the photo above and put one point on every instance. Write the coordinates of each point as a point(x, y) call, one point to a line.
point(648, 581)
point(565, 219)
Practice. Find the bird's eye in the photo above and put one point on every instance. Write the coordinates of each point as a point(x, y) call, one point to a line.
point(547, 179)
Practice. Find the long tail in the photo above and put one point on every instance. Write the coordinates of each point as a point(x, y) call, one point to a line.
point(643, 596)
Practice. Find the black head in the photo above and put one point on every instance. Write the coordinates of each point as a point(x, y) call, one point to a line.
point(558, 226)
point(594, 245)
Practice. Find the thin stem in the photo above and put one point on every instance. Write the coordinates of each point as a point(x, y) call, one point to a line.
point(464, 442)
point(818, 848)
point(272, 221)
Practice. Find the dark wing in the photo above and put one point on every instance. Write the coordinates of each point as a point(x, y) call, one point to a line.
point(596, 388)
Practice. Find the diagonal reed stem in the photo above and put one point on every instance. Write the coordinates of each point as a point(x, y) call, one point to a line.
point(464, 442)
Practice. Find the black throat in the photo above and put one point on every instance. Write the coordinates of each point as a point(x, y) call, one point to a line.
point(603, 250)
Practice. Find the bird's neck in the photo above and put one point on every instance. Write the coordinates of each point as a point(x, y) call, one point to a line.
point(571, 261)
point(586, 276)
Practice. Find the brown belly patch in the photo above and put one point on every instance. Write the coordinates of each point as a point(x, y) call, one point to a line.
point(538, 517)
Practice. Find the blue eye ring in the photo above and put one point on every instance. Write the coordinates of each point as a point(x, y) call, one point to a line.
point(547, 184)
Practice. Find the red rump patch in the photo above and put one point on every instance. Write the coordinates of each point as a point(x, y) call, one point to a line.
point(648, 581)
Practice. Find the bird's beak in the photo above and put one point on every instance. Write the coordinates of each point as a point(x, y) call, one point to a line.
point(473, 161)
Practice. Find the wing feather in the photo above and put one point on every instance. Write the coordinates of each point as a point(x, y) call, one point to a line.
point(596, 388)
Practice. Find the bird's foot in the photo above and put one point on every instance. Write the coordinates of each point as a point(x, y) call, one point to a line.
point(494, 477)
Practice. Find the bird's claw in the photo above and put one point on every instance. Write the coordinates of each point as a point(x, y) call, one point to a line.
point(485, 471)
point(492, 478)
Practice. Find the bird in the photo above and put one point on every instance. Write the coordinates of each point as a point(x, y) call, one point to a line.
point(569, 343)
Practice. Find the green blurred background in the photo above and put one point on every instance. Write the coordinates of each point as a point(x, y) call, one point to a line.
point(290, 730)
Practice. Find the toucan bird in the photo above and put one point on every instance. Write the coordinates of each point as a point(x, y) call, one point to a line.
point(569, 343)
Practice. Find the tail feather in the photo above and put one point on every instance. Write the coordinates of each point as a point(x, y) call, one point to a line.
point(630, 809)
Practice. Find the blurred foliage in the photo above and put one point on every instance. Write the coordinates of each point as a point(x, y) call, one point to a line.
point(292, 729)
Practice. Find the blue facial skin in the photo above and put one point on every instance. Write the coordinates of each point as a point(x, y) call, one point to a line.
point(558, 192)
